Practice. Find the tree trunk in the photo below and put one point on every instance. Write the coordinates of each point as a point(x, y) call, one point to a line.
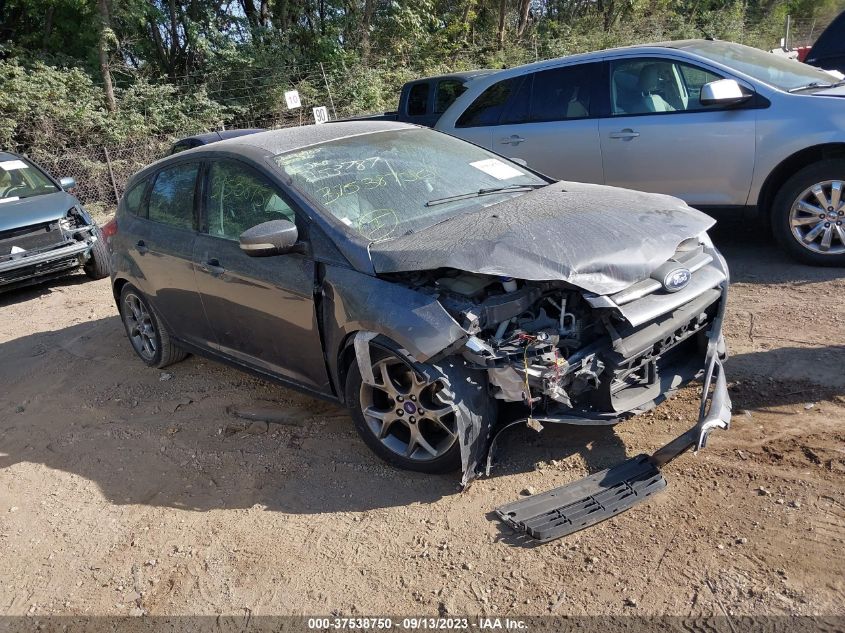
point(524, 8)
point(250, 13)
point(500, 33)
point(102, 50)
point(48, 27)
point(366, 20)
point(174, 36)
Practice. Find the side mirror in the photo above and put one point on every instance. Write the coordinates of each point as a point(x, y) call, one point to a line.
point(723, 92)
point(519, 161)
point(275, 237)
point(67, 183)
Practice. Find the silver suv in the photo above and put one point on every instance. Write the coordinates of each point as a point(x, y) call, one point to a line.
point(720, 125)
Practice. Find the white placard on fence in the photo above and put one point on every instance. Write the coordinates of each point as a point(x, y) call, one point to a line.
point(321, 115)
point(292, 99)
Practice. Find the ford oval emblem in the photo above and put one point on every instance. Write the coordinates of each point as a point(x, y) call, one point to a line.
point(677, 279)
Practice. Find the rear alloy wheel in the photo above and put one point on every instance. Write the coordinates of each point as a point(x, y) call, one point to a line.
point(809, 214)
point(147, 334)
point(412, 422)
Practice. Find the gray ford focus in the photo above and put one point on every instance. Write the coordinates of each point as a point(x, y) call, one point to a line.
point(421, 281)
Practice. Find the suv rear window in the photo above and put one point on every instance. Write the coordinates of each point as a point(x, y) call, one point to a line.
point(562, 93)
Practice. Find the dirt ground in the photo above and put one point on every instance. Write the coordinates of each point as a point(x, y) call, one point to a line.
point(128, 490)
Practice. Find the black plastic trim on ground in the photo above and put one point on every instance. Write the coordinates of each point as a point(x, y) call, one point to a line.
point(581, 504)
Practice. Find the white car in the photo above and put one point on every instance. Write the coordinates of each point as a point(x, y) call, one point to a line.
point(720, 125)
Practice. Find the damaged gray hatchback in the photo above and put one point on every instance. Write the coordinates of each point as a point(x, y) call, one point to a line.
point(422, 280)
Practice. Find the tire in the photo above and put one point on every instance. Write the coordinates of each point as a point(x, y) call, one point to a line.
point(800, 230)
point(456, 387)
point(146, 332)
point(99, 265)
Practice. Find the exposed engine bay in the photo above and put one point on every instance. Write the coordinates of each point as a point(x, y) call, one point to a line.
point(563, 354)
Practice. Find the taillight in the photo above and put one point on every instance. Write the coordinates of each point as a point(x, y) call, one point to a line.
point(109, 229)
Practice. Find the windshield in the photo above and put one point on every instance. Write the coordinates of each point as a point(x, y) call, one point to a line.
point(777, 71)
point(380, 183)
point(20, 179)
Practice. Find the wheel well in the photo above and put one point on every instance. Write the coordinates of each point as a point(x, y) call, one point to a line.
point(117, 288)
point(344, 362)
point(794, 163)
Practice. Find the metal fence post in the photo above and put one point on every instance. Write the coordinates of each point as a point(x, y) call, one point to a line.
point(111, 175)
point(329, 90)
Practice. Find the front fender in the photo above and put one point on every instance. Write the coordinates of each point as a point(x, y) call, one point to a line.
point(353, 301)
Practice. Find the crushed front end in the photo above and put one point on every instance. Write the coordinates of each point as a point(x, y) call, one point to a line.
point(34, 252)
point(576, 357)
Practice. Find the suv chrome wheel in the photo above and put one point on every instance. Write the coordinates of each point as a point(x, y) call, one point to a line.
point(817, 218)
point(412, 418)
point(139, 326)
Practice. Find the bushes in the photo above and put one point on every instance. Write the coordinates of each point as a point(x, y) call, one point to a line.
point(47, 109)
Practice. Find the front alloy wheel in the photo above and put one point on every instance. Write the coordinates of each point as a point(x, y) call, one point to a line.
point(410, 416)
point(413, 422)
point(817, 217)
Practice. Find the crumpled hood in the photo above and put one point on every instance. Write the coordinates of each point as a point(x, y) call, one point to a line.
point(35, 210)
point(601, 239)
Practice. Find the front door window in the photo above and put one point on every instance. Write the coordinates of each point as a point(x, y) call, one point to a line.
point(240, 198)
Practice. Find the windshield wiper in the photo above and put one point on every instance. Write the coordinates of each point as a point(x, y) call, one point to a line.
point(485, 192)
point(816, 84)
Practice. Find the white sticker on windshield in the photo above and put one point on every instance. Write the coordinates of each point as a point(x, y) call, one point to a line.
point(9, 165)
point(497, 169)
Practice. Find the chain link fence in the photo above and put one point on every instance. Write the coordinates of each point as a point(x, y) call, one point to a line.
point(101, 172)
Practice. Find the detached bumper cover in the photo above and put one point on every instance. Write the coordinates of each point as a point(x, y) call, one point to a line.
point(600, 496)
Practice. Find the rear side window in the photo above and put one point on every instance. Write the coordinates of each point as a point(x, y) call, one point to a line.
point(134, 199)
point(418, 99)
point(172, 196)
point(489, 105)
point(447, 91)
point(519, 104)
point(562, 93)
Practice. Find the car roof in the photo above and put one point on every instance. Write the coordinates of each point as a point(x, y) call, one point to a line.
point(601, 54)
point(291, 138)
point(279, 141)
point(463, 74)
point(9, 156)
point(213, 137)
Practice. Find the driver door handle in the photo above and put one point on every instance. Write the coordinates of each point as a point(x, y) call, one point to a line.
point(142, 247)
point(513, 139)
point(212, 267)
point(626, 134)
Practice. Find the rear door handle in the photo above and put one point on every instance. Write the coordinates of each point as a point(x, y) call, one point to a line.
point(513, 139)
point(142, 247)
point(212, 267)
point(626, 134)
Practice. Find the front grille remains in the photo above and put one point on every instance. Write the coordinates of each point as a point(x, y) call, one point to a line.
point(31, 238)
